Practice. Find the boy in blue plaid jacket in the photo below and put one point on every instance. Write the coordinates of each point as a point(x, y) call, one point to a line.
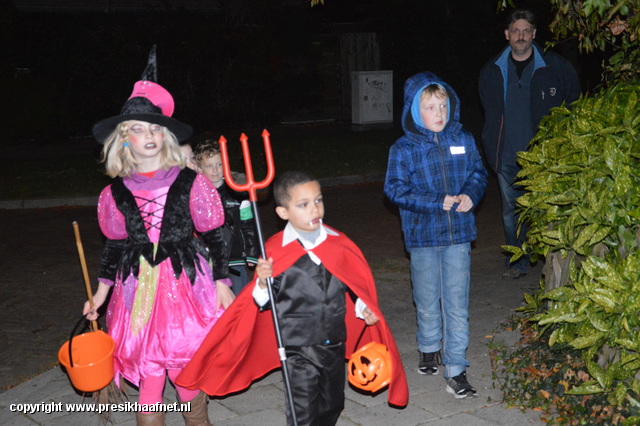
point(436, 177)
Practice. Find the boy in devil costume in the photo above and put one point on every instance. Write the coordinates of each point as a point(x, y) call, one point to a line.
point(314, 267)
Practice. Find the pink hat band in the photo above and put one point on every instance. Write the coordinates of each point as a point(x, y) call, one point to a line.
point(156, 94)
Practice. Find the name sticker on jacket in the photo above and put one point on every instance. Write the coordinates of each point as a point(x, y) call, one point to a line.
point(456, 150)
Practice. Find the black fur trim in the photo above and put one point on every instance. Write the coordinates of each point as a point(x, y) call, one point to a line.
point(177, 239)
point(219, 251)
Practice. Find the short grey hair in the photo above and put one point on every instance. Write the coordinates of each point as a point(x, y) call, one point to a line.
point(517, 14)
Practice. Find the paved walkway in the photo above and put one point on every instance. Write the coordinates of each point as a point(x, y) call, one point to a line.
point(42, 293)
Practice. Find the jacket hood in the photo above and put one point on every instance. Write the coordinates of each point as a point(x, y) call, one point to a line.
point(412, 88)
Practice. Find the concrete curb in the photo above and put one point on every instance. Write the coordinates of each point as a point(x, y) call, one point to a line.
point(47, 203)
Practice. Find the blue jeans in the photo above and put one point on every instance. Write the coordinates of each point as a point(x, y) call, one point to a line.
point(239, 279)
point(440, 278)
point(509, 192)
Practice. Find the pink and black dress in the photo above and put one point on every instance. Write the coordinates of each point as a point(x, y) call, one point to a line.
point(163, 302)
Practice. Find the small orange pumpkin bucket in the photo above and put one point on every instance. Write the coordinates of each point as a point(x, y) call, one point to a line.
point(369, 367)
point(88, 359)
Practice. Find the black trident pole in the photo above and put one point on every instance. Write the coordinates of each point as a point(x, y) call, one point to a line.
point(251, 186)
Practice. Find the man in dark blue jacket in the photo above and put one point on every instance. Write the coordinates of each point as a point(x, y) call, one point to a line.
point(518, 87)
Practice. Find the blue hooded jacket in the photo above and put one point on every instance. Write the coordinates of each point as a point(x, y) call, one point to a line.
point(425, 166)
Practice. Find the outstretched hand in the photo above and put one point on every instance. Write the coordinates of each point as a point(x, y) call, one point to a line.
point(225, 295)
point(264, 270)
point(369, 317)
point(98, 300)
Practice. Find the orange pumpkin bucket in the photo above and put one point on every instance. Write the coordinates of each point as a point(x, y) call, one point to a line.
point(88, 359)
point(369, 367)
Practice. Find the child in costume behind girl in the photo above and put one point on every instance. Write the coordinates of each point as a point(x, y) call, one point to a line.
point(164, 298)
point(240, 225)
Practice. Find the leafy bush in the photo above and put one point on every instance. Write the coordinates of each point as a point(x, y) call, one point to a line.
point(603, 25)
point(582, 176)
point(534, 377)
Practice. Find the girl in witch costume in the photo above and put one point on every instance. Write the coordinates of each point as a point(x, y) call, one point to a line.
point(164, 297)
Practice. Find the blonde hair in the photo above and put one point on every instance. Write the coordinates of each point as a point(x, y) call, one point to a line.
point(119, 160)
point(434, 90)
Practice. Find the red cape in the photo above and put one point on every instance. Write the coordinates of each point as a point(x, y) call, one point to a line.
point(241, 347)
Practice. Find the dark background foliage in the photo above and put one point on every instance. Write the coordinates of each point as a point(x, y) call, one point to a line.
point(243, 63)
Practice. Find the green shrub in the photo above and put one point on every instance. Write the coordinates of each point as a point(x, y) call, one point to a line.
point(534, 376)
point(582, 176)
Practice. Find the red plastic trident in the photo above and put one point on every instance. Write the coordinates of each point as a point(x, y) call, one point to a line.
point(251, 186)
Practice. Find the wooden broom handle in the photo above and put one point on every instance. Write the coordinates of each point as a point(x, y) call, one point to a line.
point(85, 273)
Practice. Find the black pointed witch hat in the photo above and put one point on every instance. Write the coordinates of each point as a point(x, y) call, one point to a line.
point(148, 102)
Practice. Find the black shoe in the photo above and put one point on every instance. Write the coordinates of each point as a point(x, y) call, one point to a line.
point(429, 362)
point(514, 273)
point(460, 388)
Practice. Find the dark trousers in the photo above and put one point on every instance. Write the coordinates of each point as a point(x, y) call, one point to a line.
point(509, 192)
point(239, 278)
point(317, 376)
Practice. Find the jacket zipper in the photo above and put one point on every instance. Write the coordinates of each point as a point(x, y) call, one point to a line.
point(499, 143)
point(446, 187)
point(244, 245)
point(533, 73)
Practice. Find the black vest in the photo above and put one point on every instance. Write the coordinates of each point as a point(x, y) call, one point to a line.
point(311, 305)
point(177, 240)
